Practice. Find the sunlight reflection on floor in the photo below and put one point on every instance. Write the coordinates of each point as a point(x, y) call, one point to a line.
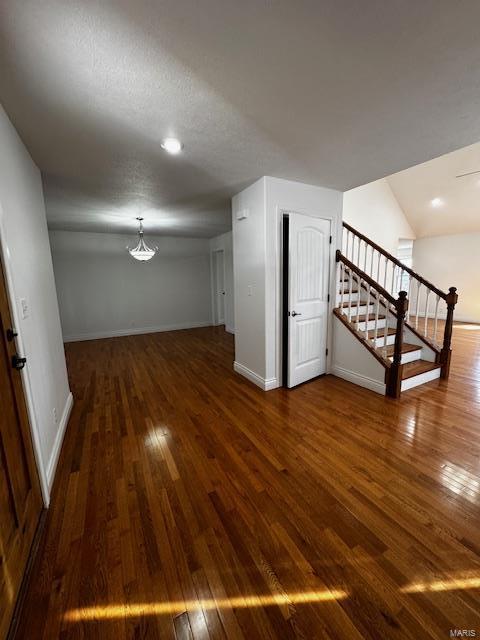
point(109, 612)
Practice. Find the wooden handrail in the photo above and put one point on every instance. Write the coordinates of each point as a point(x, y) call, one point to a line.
point(396, 261)
point(341, 258)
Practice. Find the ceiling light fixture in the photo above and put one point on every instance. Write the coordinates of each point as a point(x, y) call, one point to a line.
point(172, 145)
point(437, 202)
point(141, 251)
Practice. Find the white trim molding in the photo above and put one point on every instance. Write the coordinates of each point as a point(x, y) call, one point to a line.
point(264, 383)
point(57, 445)
point(358, 379)
point(98, 335)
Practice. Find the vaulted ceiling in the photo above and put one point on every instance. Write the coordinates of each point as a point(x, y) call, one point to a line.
point(335, 93)
point(441, 196)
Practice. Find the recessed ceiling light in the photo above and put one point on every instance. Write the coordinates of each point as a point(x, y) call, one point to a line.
point(437, 202)
point(172, 145)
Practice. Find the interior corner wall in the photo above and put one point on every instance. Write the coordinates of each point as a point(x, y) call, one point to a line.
point(103, 292)
point(29, 274)
point(249, 262)
point(452, 261)
point(373, 210)
point(224, 243)
point(256, 221)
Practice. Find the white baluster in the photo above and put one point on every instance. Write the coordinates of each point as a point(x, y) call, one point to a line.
point(371, 263)
point(358, 251)
point(394, 266)
point(417, 306)
point(349, 294)
point(368, 304)
point(378, 267)
point(436, 320)
point(385, 333)
point(365, 258)
point(342, 285)
point(385, 274)
point(359, 285)
point(410, 294)
point(425, 331)
point(377, 312)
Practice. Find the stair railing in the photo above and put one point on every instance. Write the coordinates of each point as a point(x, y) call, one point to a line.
point(428, 303)
point(353, 280)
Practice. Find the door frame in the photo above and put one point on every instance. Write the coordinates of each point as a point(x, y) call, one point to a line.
point(336, 232)
point(24, 373)
point(215, 314)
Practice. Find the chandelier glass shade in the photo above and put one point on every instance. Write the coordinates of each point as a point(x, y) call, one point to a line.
point(142, 251)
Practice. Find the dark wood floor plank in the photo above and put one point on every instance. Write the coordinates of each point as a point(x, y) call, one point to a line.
point(190, 504)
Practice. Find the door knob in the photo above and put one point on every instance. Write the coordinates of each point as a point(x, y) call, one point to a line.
point(18, 362)
point(294, 313)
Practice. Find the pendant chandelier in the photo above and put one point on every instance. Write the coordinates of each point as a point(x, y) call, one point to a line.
point(142, 251)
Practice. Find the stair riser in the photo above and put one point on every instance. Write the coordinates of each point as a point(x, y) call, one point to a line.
point(347, 296)
point(360, 310)
point(369, 325)
point(380, 341)
point(422, 378)
point(411, 356)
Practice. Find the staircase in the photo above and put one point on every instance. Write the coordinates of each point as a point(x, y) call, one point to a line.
point(402, 322)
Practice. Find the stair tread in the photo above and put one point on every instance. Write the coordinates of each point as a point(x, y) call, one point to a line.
point(380, 333)
point(354, 304)
point(418, 367)
point(406, 348)
point(362, 317)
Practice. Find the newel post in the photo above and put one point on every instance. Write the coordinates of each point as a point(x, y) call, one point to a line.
point(394, 380)
point(446, 352)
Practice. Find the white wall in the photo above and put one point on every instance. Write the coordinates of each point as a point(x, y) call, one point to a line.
point(249, 278)
point(257, 268)
point(452, 261)
point(102, 291)
point(28, 267)
point(225, 244)
point(353, 362)
point(373, 210)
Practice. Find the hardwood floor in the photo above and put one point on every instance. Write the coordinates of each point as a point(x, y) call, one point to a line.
point(190, 504)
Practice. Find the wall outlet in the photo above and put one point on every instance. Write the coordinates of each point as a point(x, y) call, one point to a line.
point(55, 417)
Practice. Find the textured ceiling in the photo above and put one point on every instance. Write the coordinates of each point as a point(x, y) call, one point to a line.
point(335, 93)
point(459, 210)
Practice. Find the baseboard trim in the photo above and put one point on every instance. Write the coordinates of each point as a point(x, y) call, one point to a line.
point(62, 427)
point(358, 379)
point(99, 335)
point(264, 383)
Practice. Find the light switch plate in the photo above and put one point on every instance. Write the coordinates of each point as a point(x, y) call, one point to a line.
point(24, 308)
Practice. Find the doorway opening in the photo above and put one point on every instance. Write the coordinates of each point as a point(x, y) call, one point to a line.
point(218, 264)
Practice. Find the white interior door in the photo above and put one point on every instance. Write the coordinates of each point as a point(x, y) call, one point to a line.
point(308, 286)
point(220, 286)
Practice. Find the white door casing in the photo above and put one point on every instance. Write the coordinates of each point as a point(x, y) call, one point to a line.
point(219, 276)
point(308, 288)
